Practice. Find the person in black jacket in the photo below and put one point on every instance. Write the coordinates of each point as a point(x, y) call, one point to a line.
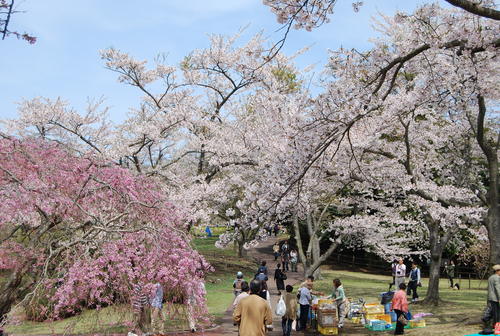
point(279, 277)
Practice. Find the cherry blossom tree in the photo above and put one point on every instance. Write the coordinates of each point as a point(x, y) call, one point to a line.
point(440, 58)
point(309, 14)
point(193, 135)
point(7, 9)
point(78, 232)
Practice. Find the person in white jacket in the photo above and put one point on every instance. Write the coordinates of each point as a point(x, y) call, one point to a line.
point(400, 273)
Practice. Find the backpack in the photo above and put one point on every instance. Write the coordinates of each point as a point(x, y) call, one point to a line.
point(262, 269)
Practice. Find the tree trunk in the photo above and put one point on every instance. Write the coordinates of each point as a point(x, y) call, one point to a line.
point(432, 296)
point(492, 197)
point(437, 243)
point(311, 259)
point(241, 250)
point(494, 230)
point(493, 218)
point(316, 254)
point(10, 292)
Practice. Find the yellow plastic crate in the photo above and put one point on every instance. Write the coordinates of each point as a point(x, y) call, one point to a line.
point(327, 301)
point(374, 308)
point(328, 330)
point(417, 323)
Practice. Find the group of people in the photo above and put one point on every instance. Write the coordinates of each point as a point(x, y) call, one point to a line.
point(399, 277)
point(491, 314)
point(147, 309)
point(252, 310)
point(287, 255)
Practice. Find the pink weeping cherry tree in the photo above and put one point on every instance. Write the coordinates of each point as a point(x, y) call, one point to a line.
point(78, 232)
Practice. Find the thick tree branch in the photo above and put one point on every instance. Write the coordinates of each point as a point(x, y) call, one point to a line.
point(476, 8)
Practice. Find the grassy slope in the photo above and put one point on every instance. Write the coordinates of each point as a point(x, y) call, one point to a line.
point(110, 319)
point(219, 284)
point(457, 315)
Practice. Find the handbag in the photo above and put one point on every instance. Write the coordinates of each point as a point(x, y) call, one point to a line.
point(283, 276)
point(402, 319)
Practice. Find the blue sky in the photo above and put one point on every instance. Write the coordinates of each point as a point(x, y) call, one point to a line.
point(65, 60)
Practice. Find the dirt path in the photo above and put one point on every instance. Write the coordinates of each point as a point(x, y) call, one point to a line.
point(264, 252)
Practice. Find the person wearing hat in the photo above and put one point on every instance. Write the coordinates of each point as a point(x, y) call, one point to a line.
point(245, 288)
point(237, 284)
point(492, 311)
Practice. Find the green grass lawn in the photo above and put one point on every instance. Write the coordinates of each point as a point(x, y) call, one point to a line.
point(458, 314)
point(106, 320)
point(111, 319)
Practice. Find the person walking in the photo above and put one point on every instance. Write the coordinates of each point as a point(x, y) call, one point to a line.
point(244, 293)
point(400, 307)
point(156, 307)
point(276, 229)
point(285, 247)
point(261, 276)
point(140, 308)
point(262, 268)
point(237, 284)
point(414, 282)
point(491, 314)
point(192, 300)
point(252, 314)
point(291, 311)
point(400, 273)
point(263, 292)
point(279, 278)
point(285, 259)
point(305, 299)
point(449, 271)
point(294, 260)
point(276, 250)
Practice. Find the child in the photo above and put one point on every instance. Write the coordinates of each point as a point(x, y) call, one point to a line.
point(291, 311)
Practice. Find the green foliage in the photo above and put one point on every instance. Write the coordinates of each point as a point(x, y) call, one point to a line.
point(409, 76)
point(420, 117)
point(391, 137)
point(186, 63)
point(288, 78)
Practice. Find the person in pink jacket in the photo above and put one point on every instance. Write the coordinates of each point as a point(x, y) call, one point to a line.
point(400, 307)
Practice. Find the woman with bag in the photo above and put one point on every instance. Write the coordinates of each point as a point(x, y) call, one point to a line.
point(291, 311)
point(400, 307)
point(280, 278)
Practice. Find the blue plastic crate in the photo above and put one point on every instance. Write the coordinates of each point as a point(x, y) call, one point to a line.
point(378, 325)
